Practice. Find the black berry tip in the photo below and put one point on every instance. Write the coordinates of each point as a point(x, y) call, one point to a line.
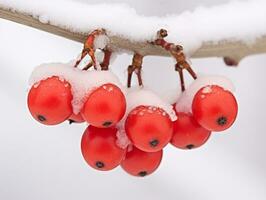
point(99, 164)
point(190, 146)
point(41, 118)
point(142, 173)
point(154, 143)
point(222, 121)
point(107, 123)
point(71, 121)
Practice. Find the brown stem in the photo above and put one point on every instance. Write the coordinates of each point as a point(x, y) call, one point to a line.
point(135, 67)
point(106, 60)
point(130, 71)
point(176, 51)
point(83, 54)
point(88, 48)
point(181, 76)
point(88, 66)
point(186, 66)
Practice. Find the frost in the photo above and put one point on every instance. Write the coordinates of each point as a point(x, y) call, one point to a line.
point(141, 113)
point(207, 90)
point(82, 82)
point(185, 100)
point(202, 96)
point(190, 28)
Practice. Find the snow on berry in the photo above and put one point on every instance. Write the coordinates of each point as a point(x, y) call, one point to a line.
point(185, 100)
point(82, 82)
point(207, 90)
point(145, 97)
point(122, 139)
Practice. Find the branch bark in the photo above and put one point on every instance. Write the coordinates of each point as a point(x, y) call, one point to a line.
point(235, 50)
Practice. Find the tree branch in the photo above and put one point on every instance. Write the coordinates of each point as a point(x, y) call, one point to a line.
point(235, 50)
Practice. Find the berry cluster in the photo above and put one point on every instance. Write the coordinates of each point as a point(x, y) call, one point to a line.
point(50, 102)
point(128, 128)
point(213, 109)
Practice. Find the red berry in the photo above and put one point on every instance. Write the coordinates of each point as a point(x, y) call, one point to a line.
point(49, 102)
point(188, 133)
point(149, 128)
point(105, 106)
point(76, 118)
point(214, 108)
point(99, 148)
point(141, 163)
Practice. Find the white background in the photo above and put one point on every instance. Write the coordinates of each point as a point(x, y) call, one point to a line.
point(39, 162)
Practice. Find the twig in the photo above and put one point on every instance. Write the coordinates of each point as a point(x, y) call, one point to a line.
point(135, 67)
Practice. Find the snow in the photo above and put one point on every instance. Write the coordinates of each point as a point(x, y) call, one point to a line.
point(100, 41)
point(137, 97)
point(82, 82)
point(207, 90)
point(231, 21)
point(122, 139)
point(171, 95)
point(184, 102)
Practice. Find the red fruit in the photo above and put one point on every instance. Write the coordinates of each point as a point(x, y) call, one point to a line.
point(149, 128)
point(141, 163)
point(214, 108)
point(188, 133)
point(105, 106)
point(99, 149)
point(76, 118)
point(49, 102)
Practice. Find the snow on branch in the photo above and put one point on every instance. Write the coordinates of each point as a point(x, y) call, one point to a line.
point(233, 30)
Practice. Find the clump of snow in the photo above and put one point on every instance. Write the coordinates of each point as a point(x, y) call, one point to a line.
point(100, 41)
point(122, 139)
point(171, 96)
point(185, 100)
point(145, 97)
point(44, 19)
point(229, 21)
point(82, 82)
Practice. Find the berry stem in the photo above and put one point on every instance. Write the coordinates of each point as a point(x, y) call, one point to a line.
point(105, 63)
point(135, 67)
point(175, 51)
point(88, 66)
point(88, 48)
point(106, 60)
point(181, 76)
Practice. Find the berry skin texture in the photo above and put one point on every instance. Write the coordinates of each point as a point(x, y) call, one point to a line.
point(99, 148)
point(214, 108)
point(140, 163)
point(76, 118)
point(188, 133)
point(149, 128)
point(49, 102)
point(105, 106)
